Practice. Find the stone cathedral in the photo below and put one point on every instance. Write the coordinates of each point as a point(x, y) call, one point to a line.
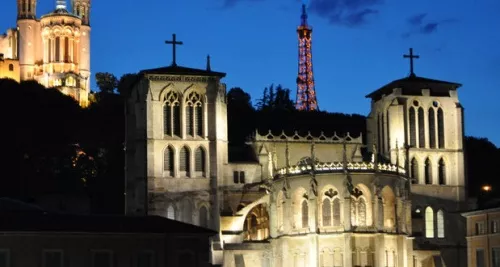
point(303, 200)
point(54, 49)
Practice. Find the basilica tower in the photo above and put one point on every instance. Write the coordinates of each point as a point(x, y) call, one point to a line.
point(28, 38)
point(81, 8)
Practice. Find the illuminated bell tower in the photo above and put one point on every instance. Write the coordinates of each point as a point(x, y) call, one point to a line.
point(27, 32)
point(306, 94)
point(81, 8)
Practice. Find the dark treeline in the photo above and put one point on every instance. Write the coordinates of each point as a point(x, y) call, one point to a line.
point(276, 112)
point(53, 146)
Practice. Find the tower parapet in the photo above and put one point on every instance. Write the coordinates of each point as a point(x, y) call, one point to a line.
point(81, 8)
point(26, 9)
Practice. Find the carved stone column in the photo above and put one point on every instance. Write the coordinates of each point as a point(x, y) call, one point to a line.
point(273, 222)
point(347, 214)
point(347, 249)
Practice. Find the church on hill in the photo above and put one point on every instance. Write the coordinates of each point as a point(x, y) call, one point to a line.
point(53, 49)
point(300, 199)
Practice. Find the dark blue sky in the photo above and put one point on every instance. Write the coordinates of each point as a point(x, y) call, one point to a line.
point(357, 45)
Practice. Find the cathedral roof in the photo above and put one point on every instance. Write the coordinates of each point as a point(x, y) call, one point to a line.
point(178, 70)
point(60, 12)
point(413, 85)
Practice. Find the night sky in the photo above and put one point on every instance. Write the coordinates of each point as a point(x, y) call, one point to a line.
point(358, 45)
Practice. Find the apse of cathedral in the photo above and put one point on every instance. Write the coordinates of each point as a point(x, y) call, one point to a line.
point(53, 49)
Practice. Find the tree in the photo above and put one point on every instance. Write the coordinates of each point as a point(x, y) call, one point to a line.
point(126, 82)
point(240, 116)
point(106, 82)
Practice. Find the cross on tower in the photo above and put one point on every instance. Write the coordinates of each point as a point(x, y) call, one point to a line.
point(411, 57)
point(174, 43)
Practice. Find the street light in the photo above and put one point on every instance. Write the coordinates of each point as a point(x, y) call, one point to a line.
point(486, 188)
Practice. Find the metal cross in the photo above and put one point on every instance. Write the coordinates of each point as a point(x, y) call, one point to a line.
point(411, 56)
point(174, 43)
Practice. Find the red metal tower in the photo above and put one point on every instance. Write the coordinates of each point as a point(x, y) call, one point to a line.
point(306, 94)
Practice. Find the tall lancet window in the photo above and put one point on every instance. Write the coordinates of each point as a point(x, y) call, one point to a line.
point(168, 161)
point(440, 121)
point(413, 125)
point(327, 212)
point(194, 115)
point(171, 114)
point(203, 217)
point(199, 162)
point(429, 222)
point(305, 213)
point(171, 212)
point(442, 172)
point(361, 212)
point(336, 212)
point(184, 162)
point(432, 128)
point(428, 171)
point(440, 224)
point(421, 128)
point(381, 132)
point(414, 170)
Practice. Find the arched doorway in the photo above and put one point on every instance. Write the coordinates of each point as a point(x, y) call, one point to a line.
point(256, 225)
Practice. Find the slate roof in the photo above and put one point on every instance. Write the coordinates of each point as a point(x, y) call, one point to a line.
point(412, 85)
point(16, 216)
point(179, 70)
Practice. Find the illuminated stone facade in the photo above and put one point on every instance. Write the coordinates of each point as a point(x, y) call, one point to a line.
point(304, 200)
point(53, 49)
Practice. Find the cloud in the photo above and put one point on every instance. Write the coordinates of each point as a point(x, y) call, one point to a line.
point(345, 12)
point(418, 25)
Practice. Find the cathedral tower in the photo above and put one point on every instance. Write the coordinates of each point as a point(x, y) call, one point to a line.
point(176, 143)
point(306, 94)
point(417, 123)
point(28, 37)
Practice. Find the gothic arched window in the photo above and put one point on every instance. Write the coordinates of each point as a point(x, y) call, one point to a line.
point(381, 132)
point(194, 115)
point(428, 171)
point(432, 128)
point(203, 217)
point(187, 211)
point(421, 128)
point(429, 222)
point(440, 122)
point(442, 172)
point(168, 161)
point(440, 224)
point(361, 212)
point(414, 170)
point(171, 115)
point(305, 214)
point(327, 212)
point(171, 212)
point(336, 212)
point(184, 162)
point(66, 49)
point(199, 161)
point(413, 123)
